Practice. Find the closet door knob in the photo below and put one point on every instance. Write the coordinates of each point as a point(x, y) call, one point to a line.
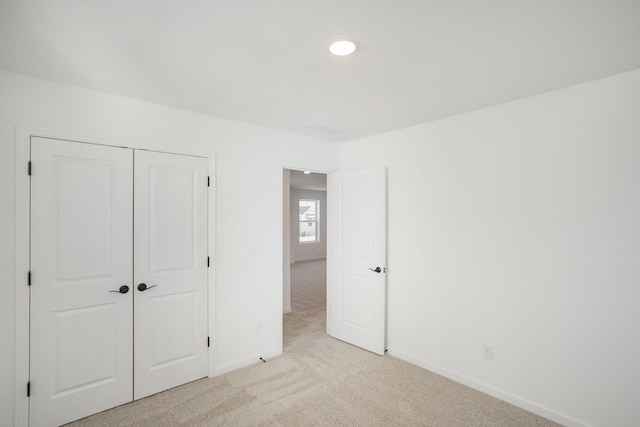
point(143, 287)
point(123, 289)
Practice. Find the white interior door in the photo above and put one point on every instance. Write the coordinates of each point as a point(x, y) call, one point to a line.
point(170, 226)
point(356, 258)
point(81, 246)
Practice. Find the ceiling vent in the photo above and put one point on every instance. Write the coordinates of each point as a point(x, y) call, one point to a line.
point(323, 129)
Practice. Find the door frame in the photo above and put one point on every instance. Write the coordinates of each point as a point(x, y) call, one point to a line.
point(22, 248)
point(291, 165)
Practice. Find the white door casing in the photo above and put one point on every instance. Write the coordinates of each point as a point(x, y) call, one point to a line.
point(356, 293)
point(170, 226)
point(81, 248)
point(96, 228)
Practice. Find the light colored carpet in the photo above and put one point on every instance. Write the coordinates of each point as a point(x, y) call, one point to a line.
point(319, 381)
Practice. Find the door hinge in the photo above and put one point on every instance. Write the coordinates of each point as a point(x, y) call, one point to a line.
point(28, 388)
point(29, 168)
point(29, 278)
point(208, 342)
point(208, 262)
point(208, 181)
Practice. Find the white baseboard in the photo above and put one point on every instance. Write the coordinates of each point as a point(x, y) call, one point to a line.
point(286, 310)
point(228, 367)
point(490, 390)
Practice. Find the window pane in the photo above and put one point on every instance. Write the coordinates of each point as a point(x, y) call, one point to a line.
point(308, 210)
point(308, 216)
point(307, 232)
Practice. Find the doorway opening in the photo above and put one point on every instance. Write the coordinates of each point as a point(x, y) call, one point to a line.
point(304, 255)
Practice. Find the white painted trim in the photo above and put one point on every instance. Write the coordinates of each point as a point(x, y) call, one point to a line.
point(21, 403)
point(490, 390)
point(251, 360)
point(23, 137)
point(212, 226)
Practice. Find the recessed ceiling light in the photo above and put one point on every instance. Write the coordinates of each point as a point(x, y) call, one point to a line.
point(343, 46)
point(307, 172)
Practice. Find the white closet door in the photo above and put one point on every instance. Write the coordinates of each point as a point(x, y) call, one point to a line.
point(81, 248)
point(170, 259)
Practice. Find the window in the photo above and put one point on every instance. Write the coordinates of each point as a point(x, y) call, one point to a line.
point(309, 211)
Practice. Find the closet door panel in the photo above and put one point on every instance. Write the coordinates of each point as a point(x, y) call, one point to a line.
point(81, 247)
point(170, 270)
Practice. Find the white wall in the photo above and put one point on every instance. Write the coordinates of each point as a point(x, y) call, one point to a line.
point(308, 251)
point(519, 226)
point(248, 292)
point(515, 226)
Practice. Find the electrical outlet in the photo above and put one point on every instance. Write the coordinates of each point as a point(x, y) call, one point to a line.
point(487, 352)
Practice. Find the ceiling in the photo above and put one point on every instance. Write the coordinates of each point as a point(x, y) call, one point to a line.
point(313, 181)
point(267, 63)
